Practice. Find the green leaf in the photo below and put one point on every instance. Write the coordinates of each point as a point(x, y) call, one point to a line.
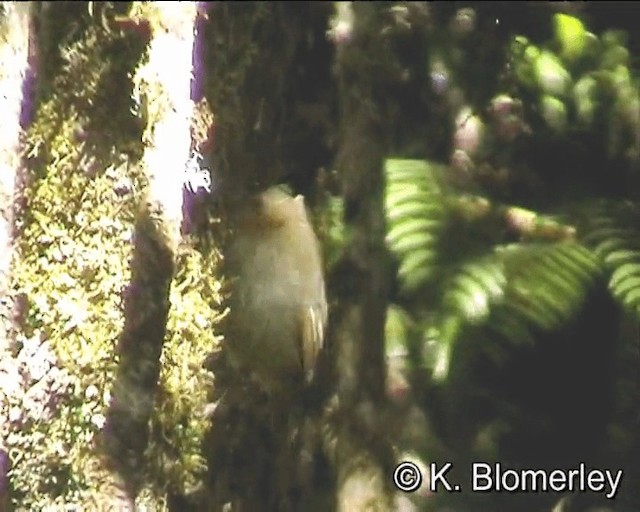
point(571, 35)
point(553, 112)
point(414, 213)
point(623, 273)
point(612, 230)
point(399, 234)
point(551, 76)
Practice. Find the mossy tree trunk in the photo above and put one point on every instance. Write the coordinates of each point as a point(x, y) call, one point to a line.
point(270, 88)
point(361, 452)
point(164, 84)
point(15, 34)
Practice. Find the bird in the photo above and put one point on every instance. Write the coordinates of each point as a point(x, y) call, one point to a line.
point(277, 303)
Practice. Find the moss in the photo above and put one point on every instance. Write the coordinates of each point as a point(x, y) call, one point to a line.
point(181, 422)
point(83, 152)
point(72, 268)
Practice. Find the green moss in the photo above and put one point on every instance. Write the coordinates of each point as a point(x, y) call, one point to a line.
point(72, 267)
point(181, 422)
point(83, 152)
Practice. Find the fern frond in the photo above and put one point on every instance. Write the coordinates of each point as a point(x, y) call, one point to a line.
point(475, 288)
point(414, 214)
point(549, 283)
point(472, 292)
point(513, 294)
point(613, 230)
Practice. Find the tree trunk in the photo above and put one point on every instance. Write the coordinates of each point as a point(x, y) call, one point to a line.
point(362, 454)
point(14, 62)
point(165, 88)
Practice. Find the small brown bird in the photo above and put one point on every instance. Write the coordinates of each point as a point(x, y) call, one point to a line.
point(278, 308)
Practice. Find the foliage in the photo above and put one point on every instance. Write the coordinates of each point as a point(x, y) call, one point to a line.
point(479, 275)
point(413, 203)
point(512, 289)
point(587, 85)
point(507, 234)
point(613, 235)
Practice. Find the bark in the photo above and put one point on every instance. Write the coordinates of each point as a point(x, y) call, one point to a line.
point(362, 455)
point(270, 91)
point(268, 64)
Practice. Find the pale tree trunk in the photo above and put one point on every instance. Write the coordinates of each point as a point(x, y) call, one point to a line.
point(14, 66)
point(163, 85)
point(14, 55)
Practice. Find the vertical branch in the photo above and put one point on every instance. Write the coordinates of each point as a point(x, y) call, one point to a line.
point(14, 53)
point(363, 67)
point(164, 89)
point(14, 63)
point(165, 82)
